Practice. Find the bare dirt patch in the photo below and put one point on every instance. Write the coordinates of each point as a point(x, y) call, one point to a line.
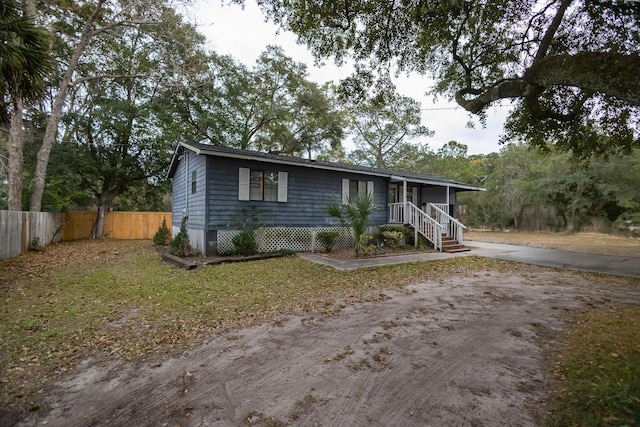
point(460, 350)
point(598, 243)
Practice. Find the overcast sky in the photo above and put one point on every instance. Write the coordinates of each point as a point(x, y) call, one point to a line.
point(244, 34)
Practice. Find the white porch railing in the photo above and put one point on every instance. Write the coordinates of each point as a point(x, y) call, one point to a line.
point(432, 224)
point(453, 228)
point(396, 213)
point(443, 206)
point(425, 225)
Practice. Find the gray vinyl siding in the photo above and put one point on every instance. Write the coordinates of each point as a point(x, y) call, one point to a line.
point(177, 195)
point(308, 192)
point(184, 202)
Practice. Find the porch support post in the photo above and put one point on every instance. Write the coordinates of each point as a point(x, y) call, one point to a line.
point(448, 190)
point(404, 201)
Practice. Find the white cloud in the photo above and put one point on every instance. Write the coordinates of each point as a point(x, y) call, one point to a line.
point(244, 34)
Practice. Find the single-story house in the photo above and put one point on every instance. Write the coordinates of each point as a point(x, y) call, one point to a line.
point(217, 189)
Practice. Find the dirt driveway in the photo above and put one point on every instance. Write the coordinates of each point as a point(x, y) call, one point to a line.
point(461, 351)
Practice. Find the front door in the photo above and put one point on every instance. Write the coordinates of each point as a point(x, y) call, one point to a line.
point(392, 194)
point(412, 195)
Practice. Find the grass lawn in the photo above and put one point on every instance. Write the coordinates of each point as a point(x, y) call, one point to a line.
point(598, 243)
point(117, 300)
point(599, 370)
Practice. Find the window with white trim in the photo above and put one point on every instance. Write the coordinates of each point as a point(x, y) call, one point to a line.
point(261, 185)
point(351, 188)
point(194, 182)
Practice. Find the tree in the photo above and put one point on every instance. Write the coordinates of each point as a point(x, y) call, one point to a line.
point(114, 134)
point(78, 26)
point(570, 66)
point(381, 124)
point(90, 14)
point(313, 124)
point(452, 162)
point(271, 107)
point(411, 157)
point(24, 62)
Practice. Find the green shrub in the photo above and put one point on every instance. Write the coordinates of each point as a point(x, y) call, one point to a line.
point(245, 242)
point(180, 245)
point(163, 235)
point(392, 227)
point(393, 239)
point(328, 239)
point(35, 245)
point(406, 230)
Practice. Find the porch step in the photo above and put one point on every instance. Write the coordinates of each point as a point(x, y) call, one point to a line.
point(450, 245)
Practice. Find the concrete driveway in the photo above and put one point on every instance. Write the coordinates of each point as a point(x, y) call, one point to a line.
point(597, 263)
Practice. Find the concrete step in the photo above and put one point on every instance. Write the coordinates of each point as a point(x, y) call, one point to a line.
point(459, 248)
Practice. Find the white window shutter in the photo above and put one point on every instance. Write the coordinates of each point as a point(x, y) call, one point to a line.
point(370, 188)
point(243, 184)
point(282, 186)
point(345, 191)
point(414, 196)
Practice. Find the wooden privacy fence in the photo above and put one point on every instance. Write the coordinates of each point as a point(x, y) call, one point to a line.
point(19, 230)
point(117, 225)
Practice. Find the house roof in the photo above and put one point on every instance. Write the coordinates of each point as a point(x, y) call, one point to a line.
point(212, 150)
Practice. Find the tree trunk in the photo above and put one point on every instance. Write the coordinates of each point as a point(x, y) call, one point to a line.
point(16, 148)
point(97, 231)
point(49, 138)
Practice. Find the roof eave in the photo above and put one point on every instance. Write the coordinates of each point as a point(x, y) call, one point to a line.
point(199, 149)
point(318, 165)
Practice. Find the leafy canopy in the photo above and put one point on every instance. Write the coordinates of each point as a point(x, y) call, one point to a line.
point(570, 67)
point(382, 124)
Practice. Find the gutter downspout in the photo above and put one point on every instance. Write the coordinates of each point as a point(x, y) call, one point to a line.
point(185, 212)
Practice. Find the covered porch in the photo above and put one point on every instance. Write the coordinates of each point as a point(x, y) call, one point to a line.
point(429, 207)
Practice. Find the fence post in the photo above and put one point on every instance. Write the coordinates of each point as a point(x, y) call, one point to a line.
point(24, 243)
point(313, 240)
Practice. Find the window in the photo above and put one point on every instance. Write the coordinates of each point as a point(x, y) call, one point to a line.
point(260, 185)
point(351, 188)
point(270, 187)
point(356, 187)
point(263, 186)
point(256, 185)
point(194, 186)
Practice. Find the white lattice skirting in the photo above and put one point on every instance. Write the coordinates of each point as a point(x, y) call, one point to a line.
point(271, 239)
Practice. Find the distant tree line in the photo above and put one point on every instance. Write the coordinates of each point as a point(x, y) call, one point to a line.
point(530, 189)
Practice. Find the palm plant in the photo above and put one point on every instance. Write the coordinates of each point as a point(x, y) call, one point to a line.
point(356, 215)
point(24, 53)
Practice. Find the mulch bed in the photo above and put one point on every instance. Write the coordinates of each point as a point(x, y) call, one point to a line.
point(191, 262)
point(349, 253)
